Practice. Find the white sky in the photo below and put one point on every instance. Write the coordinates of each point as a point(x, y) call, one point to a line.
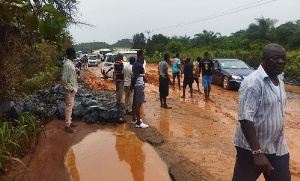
point(118, 19)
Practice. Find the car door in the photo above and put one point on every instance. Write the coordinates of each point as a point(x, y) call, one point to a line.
point(218, 72)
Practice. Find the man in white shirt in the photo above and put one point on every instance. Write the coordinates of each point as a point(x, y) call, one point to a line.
point(127, 81)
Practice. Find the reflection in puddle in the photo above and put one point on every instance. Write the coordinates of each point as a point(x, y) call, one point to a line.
point(120, 156)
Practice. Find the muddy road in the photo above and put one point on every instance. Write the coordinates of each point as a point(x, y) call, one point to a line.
point(192, 141)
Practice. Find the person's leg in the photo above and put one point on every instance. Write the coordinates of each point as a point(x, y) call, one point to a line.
point(244, 169)
point(161, 100)
point(191, 89)
point(178, 77)
point(130, 101)
point(208, 91)
point(281, 168)
point(174, 76)
point(68, 111)
point(183, 93)
point(127, 94)
point(165, 101)
point(209, 84)
point(138, 112)
point(121, 90)
point(117, 92)
point(197, 81)
point(133, 112)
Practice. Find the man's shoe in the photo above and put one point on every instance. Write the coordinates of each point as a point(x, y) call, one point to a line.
point(69, 130)
point(142, 125)
point(73, 125)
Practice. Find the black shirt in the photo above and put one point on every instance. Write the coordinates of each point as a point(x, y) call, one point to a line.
point(188, 71)
point(206, 66)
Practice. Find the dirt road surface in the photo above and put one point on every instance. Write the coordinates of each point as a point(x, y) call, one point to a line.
point(194, 138)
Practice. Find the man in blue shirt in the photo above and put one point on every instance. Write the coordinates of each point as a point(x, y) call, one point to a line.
point(260, 139)
point(176, 70)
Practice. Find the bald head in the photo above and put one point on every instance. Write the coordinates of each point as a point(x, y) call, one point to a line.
point(271, 48)
point(119, 56)
point(273, 59)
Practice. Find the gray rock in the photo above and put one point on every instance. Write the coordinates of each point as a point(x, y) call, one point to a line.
point(93, 118)
point(61, 109)
point(56, 89)
point(78, 110)
point(52, 111)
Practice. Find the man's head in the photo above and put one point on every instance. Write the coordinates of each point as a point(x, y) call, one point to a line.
point(177, 55)
point(206, 55)
point(119, 56)
point(198, 59)
point(70, 53)
point(187, 59)
point(131, 60)
point(273, 59)
point(141, 55)
point(166, 56)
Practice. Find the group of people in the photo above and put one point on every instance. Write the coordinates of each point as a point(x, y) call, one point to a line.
point(260, 133)
point(191, 73)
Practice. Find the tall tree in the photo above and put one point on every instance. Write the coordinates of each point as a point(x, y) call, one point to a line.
point(139, 41)
point(261, 30)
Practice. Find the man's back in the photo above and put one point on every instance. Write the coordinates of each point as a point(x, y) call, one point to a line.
point(127, 75)
point(188, 71)
point(163, 67)
point(118, 68)
point(175, 65)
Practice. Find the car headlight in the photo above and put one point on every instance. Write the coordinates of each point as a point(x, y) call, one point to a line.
point(236, 77)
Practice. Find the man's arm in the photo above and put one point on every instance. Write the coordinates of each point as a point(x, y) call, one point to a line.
point(167, 74)
point(136, 73)
point(249, 102)
point(66, 78)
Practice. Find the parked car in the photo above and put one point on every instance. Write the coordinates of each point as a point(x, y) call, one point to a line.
point(107, 66)
point(230, 72)
point(93, 61)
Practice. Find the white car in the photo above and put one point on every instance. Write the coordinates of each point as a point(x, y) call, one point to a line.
point(107, 66)
point(93, 60)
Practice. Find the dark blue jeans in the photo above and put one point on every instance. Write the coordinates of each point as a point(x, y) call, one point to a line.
point(244, 169)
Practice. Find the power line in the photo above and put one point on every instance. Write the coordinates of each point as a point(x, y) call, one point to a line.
point(231, 11)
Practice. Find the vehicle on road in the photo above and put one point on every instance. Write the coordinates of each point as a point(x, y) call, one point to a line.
point(230, 72)
point(93, 60)
point(107, 66)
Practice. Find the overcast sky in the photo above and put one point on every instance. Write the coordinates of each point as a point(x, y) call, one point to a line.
point(118, 19)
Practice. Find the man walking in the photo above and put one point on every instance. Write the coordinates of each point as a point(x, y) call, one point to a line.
point(85, 62)
point(127, 81)
point(260, 137)
point(119, 77)
point(137, 84)
point(196, 72)
point(70, 87)
point(207, 66)
point(164, 81)
point(176, 70)
point(188, 76)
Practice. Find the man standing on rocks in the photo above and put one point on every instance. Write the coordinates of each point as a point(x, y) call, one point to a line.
point(207, 67)
point(119, 77)
point(70, 87)
point(137, 84)
point(127, 81)
point(260, 137)
point(164, 81)
point(176, 70)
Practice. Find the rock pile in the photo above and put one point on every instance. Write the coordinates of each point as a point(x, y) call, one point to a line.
point(292, 81)
point(89, 106)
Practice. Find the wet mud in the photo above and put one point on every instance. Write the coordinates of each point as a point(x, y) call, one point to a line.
point(194, 138)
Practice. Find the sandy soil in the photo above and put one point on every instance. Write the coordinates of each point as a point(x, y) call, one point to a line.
point(194, 138)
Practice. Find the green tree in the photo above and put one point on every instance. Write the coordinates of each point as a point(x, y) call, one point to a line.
point(261, 30)
point(139, 41)
point(174, 47)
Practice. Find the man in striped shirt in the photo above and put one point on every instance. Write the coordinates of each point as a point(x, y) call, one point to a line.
point(119, 77)
point(260, 139)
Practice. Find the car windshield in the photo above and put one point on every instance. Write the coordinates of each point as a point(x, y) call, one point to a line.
point(233, 64)
point(126, 56)
point(92, 57)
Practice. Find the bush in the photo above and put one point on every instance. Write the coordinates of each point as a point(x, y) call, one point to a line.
point(17, 136)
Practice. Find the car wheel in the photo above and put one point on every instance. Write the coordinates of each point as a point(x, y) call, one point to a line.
point(226, 83)
point(104, 75)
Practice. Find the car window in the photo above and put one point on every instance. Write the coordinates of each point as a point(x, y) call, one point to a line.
point(108, 58)
point(233, 64)
point(216, 64)
point(92, 57)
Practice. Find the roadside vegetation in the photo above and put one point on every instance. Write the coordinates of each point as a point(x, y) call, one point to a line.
point(33, 39)
point(244, 44)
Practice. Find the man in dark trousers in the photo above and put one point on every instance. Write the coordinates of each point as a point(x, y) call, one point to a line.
point(260, 136)
point(188, 76)
point(207, 67)
point(164, 81)
point(137, 84)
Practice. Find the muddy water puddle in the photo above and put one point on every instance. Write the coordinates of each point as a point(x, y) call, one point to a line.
point(115, 155)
